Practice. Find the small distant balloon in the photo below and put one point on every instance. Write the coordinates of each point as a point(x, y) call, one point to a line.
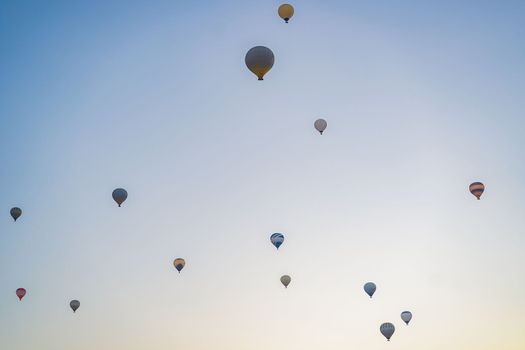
point(277, 239)
point(119, 196)
point(179, 264)
point(15, 213)
point(259, 60)
point(20, 293)
point(406, 316)
point(370, 288)
point(74, 304)
point(477, 189)
point(320, 125)
point(285, 280)
point(286, 12)
point(387, 329)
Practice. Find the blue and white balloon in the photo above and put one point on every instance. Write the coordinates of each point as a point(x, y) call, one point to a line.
point(277, 239)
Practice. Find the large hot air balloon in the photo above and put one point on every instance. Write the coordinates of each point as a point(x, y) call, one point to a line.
point(74, 304)
point(320, 125)
point(286, 12)
point(277, 239)
point(477, 189)
point(406, 316)
point(20, 293)
point(179, 264)
point(387, 329)
point(15, 212)
point(370, 288)
point(119, 196)
point(285, 280)
point(259, 60)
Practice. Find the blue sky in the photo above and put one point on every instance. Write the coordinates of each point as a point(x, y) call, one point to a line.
point(421, 98)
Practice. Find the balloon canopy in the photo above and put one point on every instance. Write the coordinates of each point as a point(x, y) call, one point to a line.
point(285, 280)
point(119, 196)
point(477, 189)
point(370, 288)
point(387, 329)
point(406, 316)
point(277, 239)
point(20, 293)
point(179, 264)
point(259, 60)
point(285, 12)
point(15, 213)
point(74, 304)
point(320, 125)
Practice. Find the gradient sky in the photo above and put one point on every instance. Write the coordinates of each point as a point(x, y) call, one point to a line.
point(421, 98)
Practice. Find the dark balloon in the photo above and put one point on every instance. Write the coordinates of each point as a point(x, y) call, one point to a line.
point(74, 304)
point(119, 196)
point(15, 213)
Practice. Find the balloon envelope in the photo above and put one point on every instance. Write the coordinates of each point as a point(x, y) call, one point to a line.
point(477, 189)
point(179, 264)
point(285, 280)
point(119, 196)
point(406, 316)
point(15, 213)
point(387, 329)
point(277, 239)
point(286, 12)
point(259, 60)
point(320, 125)
point(20, 293)
point(74, 304)
point(370, 288)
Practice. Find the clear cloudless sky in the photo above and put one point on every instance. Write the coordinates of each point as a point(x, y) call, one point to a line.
point(421, 98)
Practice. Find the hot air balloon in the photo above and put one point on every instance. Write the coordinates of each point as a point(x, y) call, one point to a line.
point(120, 195)
point(259, 60)
point(179, 264)
point(286, 12)
point(277, 239)
point(15, 212)
point(477, 189)
point(370, 288)
point(285, 280)
point(406, 316)
point(20, 293)
point(387, 329)
point(320, 125)
point(74, 304)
